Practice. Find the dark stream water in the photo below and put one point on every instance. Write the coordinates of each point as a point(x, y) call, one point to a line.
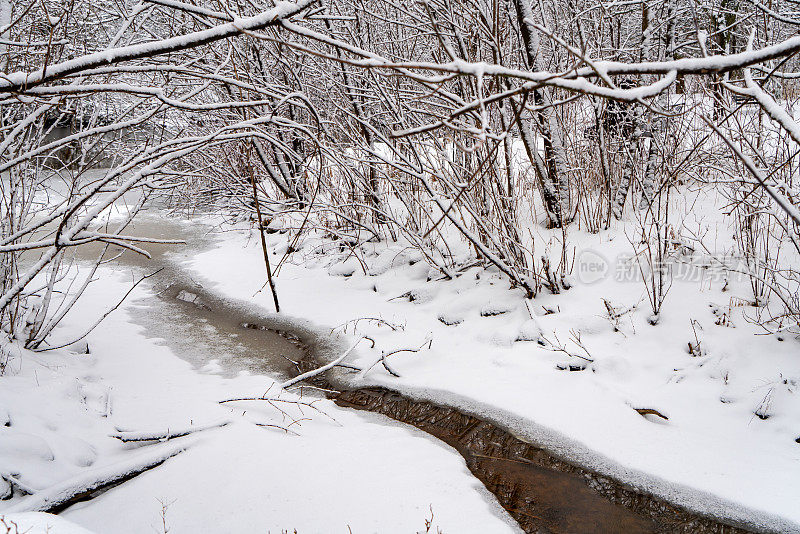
point(541, 492)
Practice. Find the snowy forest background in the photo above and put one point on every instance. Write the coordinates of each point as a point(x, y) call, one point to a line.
point(632, 161)
point(432, 123)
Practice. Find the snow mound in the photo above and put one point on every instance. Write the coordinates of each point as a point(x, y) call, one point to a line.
point(38, 523)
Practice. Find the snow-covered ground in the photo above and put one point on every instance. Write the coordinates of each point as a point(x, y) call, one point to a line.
point(350, 470)
point(728, 448)
point(729, 445)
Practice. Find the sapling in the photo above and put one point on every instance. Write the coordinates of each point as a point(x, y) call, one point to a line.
point(695, 349)
point(652, 251)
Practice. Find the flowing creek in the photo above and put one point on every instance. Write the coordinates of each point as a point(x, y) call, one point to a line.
point(543, 493)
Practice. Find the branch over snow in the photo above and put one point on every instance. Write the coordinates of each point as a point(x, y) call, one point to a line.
point(22, 81)
point(164, 435)
point(315, 372)
point(80, 487)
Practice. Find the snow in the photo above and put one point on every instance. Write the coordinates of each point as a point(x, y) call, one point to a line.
point(715, 454)
point(151, 48)
point(557, 370)
point(357, 470)
point(39, 523)
point(93, 479)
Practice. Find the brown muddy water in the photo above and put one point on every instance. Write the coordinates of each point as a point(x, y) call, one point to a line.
point(543, 493)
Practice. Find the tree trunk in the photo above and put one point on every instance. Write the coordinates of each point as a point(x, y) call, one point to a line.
point(553, 181)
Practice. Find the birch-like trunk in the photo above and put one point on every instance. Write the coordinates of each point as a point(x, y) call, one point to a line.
point(630, 156)
point(553, 181)
point(5, 20)
point(650, 178)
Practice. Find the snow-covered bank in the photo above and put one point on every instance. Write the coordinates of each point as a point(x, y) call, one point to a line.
point(469, 342)
point(472, 343)
point(360, 471)
point(34, 522)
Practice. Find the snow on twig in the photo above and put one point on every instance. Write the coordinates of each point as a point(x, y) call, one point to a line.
point(167, 434)
point(315, 372)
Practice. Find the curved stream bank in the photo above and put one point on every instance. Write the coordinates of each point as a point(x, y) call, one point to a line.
point(541, 491)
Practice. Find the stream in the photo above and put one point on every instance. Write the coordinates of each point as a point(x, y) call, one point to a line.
point(541, 492)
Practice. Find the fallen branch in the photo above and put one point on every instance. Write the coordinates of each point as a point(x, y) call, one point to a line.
point(320, 370)
point(85, 485)
point(279, 427)
point(21, 486)
point(559, 347)
point(384, 355)
point(164, 435)
point(272, 400)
